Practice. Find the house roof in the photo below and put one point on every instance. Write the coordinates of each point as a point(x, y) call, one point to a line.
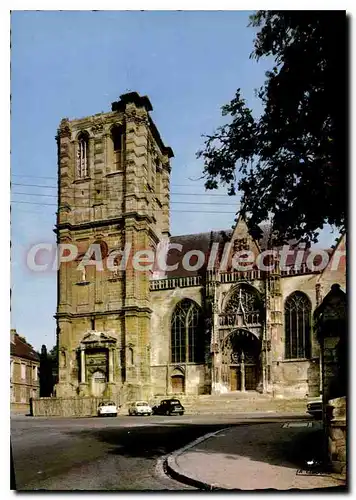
point(20, 348)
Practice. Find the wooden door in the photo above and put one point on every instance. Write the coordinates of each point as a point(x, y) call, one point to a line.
point(235, 380)
point(177, 384)
point(250, 377)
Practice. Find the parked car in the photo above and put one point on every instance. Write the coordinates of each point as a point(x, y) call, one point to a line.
point(315, 408)
point(140, 408)
point(107, 409)
point(169, 407)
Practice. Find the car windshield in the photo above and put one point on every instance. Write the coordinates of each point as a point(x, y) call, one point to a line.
point(142, 403)
point(109, 403)
point(175, 402)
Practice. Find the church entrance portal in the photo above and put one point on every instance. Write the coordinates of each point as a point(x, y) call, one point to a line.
point(241, 361)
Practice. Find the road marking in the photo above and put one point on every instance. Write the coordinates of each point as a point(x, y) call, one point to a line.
point(305, 472)
point(297, 424)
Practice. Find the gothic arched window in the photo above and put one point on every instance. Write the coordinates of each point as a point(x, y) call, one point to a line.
point(82, 156)
point(117, 139)
point(245, 301)
point(187, 343)
point(244, 297)
point(297, 314)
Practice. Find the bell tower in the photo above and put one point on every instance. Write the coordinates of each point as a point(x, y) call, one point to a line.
point(113, 191)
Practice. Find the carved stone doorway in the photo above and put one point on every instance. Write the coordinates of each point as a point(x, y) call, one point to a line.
point(97, 365)
point(241, 361)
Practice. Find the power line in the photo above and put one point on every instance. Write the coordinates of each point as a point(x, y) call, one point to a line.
point(109, 199)
point(33, 185)
point(37, 194)
point(33, 176)
point(116, 190)
point(56, 178)
point(155, 209)
point(38, 212)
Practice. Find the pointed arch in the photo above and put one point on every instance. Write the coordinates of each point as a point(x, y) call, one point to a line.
point(243, 295)
point(244, 301)
point(178, 370)
point(297, 326)
point(187, 341)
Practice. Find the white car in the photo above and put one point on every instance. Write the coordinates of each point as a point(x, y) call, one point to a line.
point(140, 408)
point(107, 409)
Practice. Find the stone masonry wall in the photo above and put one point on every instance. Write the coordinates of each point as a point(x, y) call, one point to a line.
point(337, 434)
point(67, 407)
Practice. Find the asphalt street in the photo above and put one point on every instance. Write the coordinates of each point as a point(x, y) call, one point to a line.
point(116, 454)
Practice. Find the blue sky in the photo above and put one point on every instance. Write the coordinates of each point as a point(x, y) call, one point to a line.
point(74, 64)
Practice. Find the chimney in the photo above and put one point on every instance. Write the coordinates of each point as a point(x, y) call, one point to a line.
point(12, 334)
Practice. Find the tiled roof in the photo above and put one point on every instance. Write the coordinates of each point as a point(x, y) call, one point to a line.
point(204, 241)
point(198, 241)
point(290, 260)
point(20, 348)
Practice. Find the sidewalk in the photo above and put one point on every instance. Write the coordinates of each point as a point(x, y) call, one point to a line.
point(254, 456)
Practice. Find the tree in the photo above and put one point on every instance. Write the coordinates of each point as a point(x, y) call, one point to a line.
point(288, 163)
point(48, 365)
point(53, 356)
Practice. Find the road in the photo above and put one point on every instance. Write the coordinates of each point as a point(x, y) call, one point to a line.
point(116, 454)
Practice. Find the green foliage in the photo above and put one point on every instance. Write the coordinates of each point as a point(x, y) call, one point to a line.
point(287, 163)
point(53, 353)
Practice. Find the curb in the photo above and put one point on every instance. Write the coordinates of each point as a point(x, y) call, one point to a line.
point(171, 467)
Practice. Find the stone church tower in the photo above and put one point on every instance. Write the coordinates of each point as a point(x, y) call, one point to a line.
point(113, 191)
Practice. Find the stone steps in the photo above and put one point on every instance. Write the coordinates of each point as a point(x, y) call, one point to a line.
point(236, 403)
point(300, 408)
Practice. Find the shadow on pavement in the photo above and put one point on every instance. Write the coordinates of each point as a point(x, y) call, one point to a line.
point(151, 441)
point(290, 447)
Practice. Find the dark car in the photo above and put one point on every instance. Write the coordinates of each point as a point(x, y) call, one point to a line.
point(168, 407)
point(315, 408)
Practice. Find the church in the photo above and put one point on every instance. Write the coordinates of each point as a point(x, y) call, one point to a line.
point(198, 324)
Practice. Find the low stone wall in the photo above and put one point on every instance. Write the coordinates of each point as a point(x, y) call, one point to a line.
point(66, 407)
point(20, 408)
point(336, 428)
